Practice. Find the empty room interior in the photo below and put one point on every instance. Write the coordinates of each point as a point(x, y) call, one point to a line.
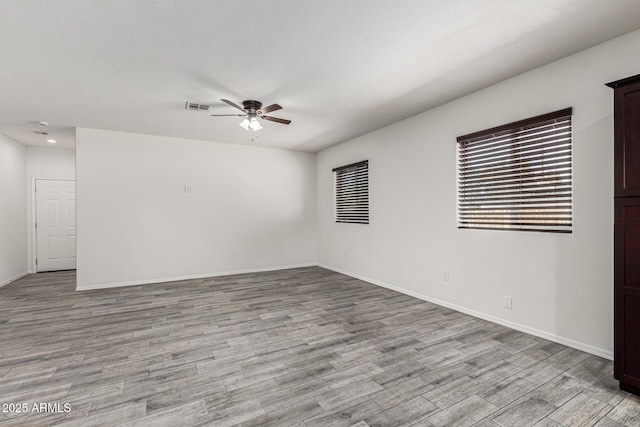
point(320, 213)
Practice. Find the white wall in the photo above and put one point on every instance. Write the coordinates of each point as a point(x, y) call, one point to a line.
point(13, 209)
point(45, 162)
point(136, 224)
point(561, 284)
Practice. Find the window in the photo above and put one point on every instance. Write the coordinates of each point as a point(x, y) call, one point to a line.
point(517, 176)
point(352, 193)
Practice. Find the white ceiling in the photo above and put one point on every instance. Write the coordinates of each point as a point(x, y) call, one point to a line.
point(339, 68)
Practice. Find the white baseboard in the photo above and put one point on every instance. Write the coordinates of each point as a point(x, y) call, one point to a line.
point(194, 276)
point(517, 326)
point(13, 279)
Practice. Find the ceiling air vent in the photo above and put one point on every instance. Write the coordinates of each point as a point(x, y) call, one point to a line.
point(39, 132)
point(196, 107)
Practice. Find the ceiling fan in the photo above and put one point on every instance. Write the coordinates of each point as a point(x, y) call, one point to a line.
point(253, 111)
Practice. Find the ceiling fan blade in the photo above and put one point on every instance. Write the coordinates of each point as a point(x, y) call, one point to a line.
point(227, 115)
point(226, 101)
point(270, 108)
point(276, 119)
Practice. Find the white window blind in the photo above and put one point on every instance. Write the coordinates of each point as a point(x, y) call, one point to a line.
point(517, 176)
point(352, 193)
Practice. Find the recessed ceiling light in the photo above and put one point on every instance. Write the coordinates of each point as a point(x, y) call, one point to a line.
point(51, 141)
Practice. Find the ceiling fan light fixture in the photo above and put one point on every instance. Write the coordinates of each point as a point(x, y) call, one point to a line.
point(251, 123)
point(244, 124)
point(254, 124)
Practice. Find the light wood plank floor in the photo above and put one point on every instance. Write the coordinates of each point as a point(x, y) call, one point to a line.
point(303, 347)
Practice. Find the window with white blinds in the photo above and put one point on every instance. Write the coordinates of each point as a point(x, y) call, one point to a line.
point(517, 176)
point(352, 193)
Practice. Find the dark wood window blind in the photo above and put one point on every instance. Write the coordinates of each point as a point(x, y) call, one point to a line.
point(352, 193)
point(517, 176)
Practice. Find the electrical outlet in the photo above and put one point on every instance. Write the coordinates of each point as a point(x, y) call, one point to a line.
point(234, 254)
point(445, 276)
point(508, 303)
point(346, 255)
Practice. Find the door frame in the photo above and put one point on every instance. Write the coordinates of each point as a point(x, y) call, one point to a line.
point(34, 217)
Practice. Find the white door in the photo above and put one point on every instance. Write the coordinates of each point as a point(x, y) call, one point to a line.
point(55, 225)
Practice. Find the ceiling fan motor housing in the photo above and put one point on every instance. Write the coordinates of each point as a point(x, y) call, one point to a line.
point(251, 106)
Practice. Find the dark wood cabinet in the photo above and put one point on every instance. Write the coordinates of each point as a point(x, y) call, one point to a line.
point(627, 293)
point(627, 233)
